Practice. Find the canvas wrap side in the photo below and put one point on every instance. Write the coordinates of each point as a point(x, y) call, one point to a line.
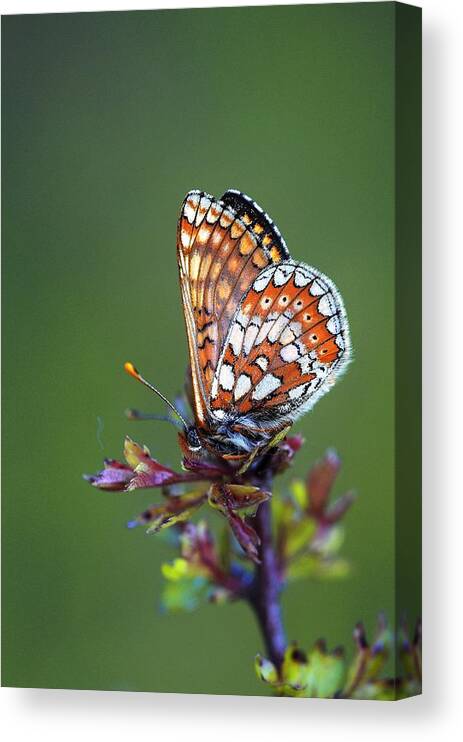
point(408, 314)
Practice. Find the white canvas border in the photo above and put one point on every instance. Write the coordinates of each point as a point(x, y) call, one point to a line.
point(73, 715)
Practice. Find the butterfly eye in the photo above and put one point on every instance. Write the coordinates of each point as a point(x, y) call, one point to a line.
point(299, 303)
point(307, 317)
point(194, 444)
point(266, 301)
point(284, 300)
point(314, 338)
point(324, 351)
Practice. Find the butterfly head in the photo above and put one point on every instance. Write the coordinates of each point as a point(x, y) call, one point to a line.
point(216, 439)
point(192, 439)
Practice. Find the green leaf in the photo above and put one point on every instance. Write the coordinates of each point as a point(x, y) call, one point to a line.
point(299, 492)
point(318, 568)
point(329, 540)
point(295, 668)
point(299, 536)
point(326, 672)
point(184, 594)
point(175, 571)
point(283, 512)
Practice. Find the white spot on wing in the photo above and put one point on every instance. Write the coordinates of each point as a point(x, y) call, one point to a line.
point(289, 353)
point(277, 328)
point(236, 338)
point(302, 276)
point(249, 338)
point(317, 288)
point(334, 325)
point(282, 273)
point(287, 336)
point(262, 362)
point(305, 364)
point(263, 280)
point(203, 207)
point(266, 327)
point(243, 386)
point(185, 237)
point(297, 392)
point(266, 386)
point(320, 369)
point(290, 333)
point(213, 214)
point(227, 377)
point(191, 205)
point(326, 305)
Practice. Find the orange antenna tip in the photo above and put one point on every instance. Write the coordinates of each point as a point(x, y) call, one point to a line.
point(131, 370)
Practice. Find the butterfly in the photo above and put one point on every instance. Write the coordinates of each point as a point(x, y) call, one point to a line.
point(267, 335)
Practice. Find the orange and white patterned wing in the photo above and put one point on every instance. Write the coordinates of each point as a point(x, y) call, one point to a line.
point(286, 346)
point(222, 247)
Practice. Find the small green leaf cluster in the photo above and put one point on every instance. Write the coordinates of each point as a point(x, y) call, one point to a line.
point(320, 673)
point(204, 571)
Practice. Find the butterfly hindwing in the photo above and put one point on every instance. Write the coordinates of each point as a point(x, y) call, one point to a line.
point(286, 345)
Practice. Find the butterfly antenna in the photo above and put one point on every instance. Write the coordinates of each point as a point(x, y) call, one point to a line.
point(132, 371)
point(132, 414)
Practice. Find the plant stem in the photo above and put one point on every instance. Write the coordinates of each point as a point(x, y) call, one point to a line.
point(265, 594)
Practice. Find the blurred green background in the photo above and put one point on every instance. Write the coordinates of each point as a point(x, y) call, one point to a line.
point(109, 119)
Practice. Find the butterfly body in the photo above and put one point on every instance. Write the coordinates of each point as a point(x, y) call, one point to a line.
point(267, 335)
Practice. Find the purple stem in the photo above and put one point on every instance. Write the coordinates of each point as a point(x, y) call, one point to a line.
point(265, 594)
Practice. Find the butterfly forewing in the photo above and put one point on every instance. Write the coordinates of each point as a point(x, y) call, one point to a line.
point(259, 222)
point(221, 251)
